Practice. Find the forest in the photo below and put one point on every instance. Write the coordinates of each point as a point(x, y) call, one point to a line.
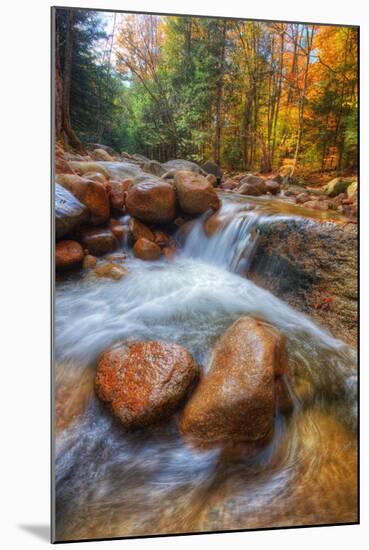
point(250, 95)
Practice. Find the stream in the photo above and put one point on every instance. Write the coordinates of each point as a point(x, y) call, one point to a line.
point(114, 484)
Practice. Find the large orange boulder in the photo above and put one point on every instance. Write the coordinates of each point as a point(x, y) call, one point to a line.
point(68, 254)
point(144, 381)
point(152, 200)
point(90, 193)
point(195, 193)
point(236, 399)
point(146, 250)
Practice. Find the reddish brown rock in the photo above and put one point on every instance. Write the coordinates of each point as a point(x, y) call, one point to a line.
point(144, 381)
point(89, 261)
point(169, 252)
point(229, 184)
point(272, 187)
point(212, 179)
point(236, 399)
point(110, 270)
point(146, 250)
point(90, 193)
point(140, 231)
point(152, 200)
point(195, 194)
point(62, 166)
point(83, 167)
point(68, 254)
point(118, 231)
point(98, 240)
point(118, 193)
point(100, 154)
point(252, 185)
point(160, 238)
point(95, 176)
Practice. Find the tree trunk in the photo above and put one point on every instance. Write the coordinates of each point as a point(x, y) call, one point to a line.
point(64, 128)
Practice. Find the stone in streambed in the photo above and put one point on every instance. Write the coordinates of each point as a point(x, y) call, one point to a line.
point(337, 186)
point(110, 270)
point(69, 211)
point(236, 399)
point(144, 381)
point(140, 231)
point(180, 164)
point(195, 193)
point(89, 261)
point(90, 193)
point(100, 154)
point(118, 193)
point(68, 255)
point(213, 169)
point(83, 167)
point(272, 187)
point(98, 240)
point(252, 185)
point(152, 200)
point(146, 250)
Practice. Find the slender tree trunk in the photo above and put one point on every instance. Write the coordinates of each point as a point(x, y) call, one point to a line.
point(218, 102)
point(309, 44)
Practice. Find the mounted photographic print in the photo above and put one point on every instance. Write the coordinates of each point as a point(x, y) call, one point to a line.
point(205, 201)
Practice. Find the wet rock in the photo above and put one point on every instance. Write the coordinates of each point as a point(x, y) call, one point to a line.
point(252, 185)
point(312, 265)
point(69, 211)
point(140, 231)
point(146, 250)
point(95, 176)
point(183, 165)
point(144, 381)
point(89, 261)
point(195, 194)
point(83, 167)
point(90, 193)
point(152, 201)
point(337, 186)
point(272, 187)
point(214, 169)
point(62, 166)
point(153, 167)
point(118, 231)
point(212, 180)
point(169, 252)
point(229, 184)
point(118, 193)
point(101, 154)
point(236, 399)
point(352, 190)
point(160, 238)
point(110, 270)
point(301, 198)
point(98, 241)
point(68, 254)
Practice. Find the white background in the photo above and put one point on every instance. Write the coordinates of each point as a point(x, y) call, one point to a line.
point(25, 286)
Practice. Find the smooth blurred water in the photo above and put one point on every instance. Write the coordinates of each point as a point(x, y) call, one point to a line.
point(110, 483)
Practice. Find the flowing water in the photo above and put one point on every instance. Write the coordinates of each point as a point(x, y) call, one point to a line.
point(110, 483)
